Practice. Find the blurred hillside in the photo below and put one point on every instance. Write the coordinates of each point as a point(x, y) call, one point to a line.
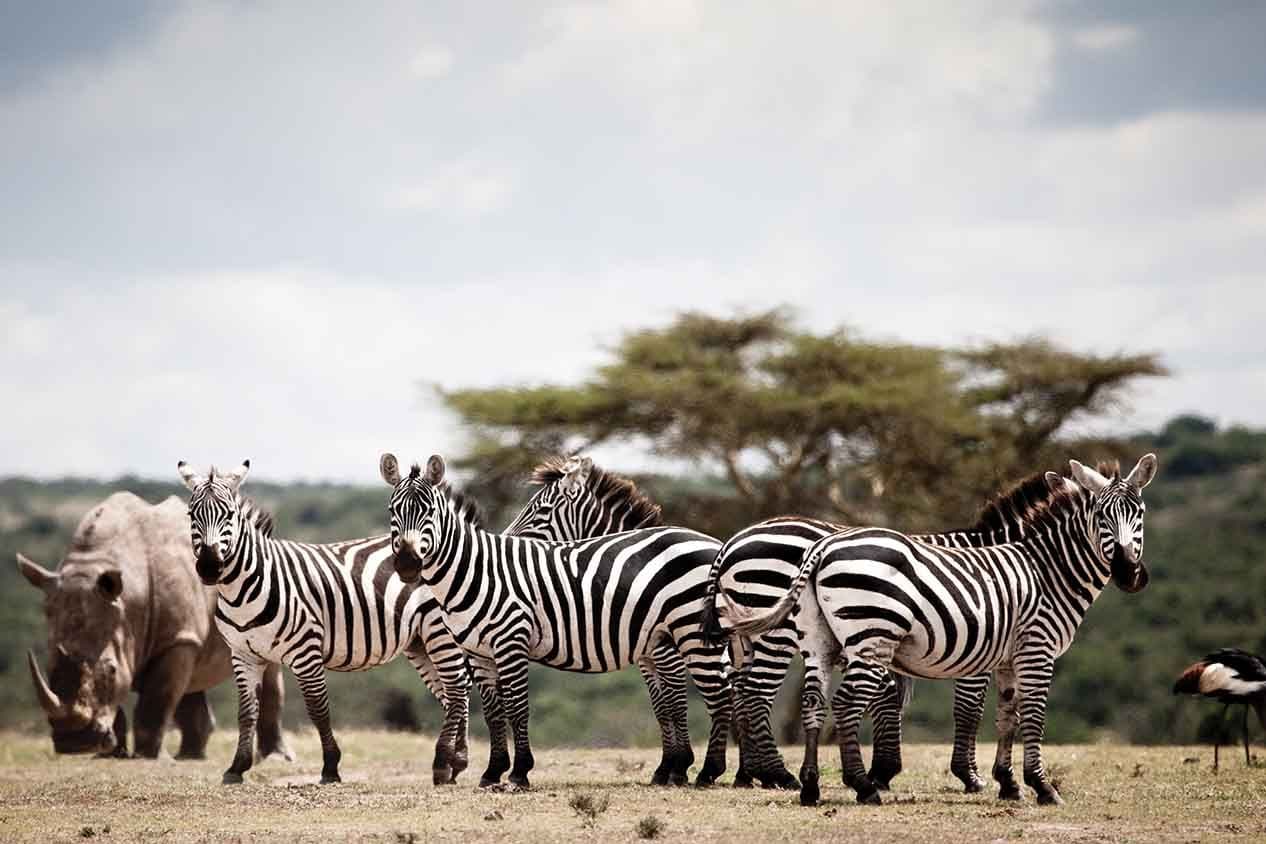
point(1206, 540)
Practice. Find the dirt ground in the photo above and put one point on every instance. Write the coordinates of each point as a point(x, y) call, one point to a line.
point(1112, 793)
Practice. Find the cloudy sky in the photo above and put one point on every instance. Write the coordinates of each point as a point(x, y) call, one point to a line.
point(260, 229)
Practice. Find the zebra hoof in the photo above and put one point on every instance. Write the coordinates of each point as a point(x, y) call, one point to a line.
point(231, 778)
point(743, 779)
point(489, 782)
point(881, 785)
point(1009, 791)
point(678, 779)
point(870, 798)
point(810, 793)
point(442, 776)
point(1049, 798)
point(784, 781)
point(660, 777)
point(330, 779)
point(974, 785)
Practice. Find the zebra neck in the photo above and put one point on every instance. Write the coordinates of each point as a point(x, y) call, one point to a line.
point(1068, 565)
point(250, 561)
point(461, 557)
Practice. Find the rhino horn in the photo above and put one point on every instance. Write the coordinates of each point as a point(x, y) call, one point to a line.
point(49, 701)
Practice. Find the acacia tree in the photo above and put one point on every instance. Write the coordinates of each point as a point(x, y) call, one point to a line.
point(830, 425)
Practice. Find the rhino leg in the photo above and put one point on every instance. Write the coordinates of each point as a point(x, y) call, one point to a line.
point(120, 738)
point(272, 695)
point(162, 687)
point(196, 722)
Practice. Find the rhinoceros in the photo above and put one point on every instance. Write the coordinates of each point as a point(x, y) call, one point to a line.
point(126, 611)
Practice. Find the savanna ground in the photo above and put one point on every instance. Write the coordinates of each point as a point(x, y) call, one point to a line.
point(1112, 793)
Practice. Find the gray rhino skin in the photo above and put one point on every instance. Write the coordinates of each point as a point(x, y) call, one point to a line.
point(126, 611)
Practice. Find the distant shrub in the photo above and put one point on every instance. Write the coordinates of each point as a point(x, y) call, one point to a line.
point(588, 806)
point(399, 712)
point(650, 827)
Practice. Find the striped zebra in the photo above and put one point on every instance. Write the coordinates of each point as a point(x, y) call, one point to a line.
point(760, 563)
point(891, 601)
point(312, 607)
point(578, 500)
point(592, 606)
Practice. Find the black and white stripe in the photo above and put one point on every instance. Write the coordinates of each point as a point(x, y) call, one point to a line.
point(593, 605)
point(312, 607)
point(760, 563)
point(891, 601)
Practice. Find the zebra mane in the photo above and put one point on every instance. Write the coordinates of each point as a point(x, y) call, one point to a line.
point(611, 489)
point(1031, 501)
point(253, 513)
point(464, 505)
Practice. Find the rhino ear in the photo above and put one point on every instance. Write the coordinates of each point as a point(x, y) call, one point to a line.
point(37, 575)
point(110, 583)
point(192, 479)
point(389, 468)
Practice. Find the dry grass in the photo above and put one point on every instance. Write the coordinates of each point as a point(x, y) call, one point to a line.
point(1113, 793)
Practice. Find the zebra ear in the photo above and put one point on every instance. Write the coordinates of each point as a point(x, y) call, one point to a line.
point(1087, 477)
point(435, 470)
point(1057, 483)
point(234, 479)
point(389, 468)
point(191, 478)
point(575, 475)
point(1143, 472)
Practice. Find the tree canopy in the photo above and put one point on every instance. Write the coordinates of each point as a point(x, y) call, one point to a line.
point(828, 424)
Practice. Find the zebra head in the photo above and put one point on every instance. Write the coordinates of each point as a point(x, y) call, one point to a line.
point(561, 509)
point(415, 508)
point(1115, 518)
point(215, 516)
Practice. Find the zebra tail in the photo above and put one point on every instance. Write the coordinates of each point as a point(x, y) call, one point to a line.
point(905, 688)
point(712, 632)
point(757, 624)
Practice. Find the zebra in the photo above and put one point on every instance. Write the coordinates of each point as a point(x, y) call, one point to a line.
point(312, 607)
point(762, 560)
point(578, 500)
point(891, 601)
point(592, 605)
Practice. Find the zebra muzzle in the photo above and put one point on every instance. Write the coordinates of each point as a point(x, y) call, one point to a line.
point(1129, 576)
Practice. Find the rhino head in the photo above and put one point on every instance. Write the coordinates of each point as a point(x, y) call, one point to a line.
point(89, 669)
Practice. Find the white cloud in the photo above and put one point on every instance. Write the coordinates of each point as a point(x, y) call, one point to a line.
point(1105, 37)
point(466, 188)
point(431, 62)
point(593, 168)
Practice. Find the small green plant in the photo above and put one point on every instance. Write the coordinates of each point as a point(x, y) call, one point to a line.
point(588, 807)
point(650, 827)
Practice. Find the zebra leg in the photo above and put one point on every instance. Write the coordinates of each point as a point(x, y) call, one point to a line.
point(742, 724)
point(818, 649)
point(1034, 680)
point(706, 664)
point(247, 674)
point(272, 697)
point(485, 671)
point(885, 712)
point(969, 708)
point(309, 671)
point(863, 680)
point(772, 655)
point(452, 689)
point(646, 665)
point(670, 669)
point(1006, 722)
point(512, 673)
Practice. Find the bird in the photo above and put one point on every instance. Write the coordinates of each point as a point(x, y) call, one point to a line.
point(1231, 676)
